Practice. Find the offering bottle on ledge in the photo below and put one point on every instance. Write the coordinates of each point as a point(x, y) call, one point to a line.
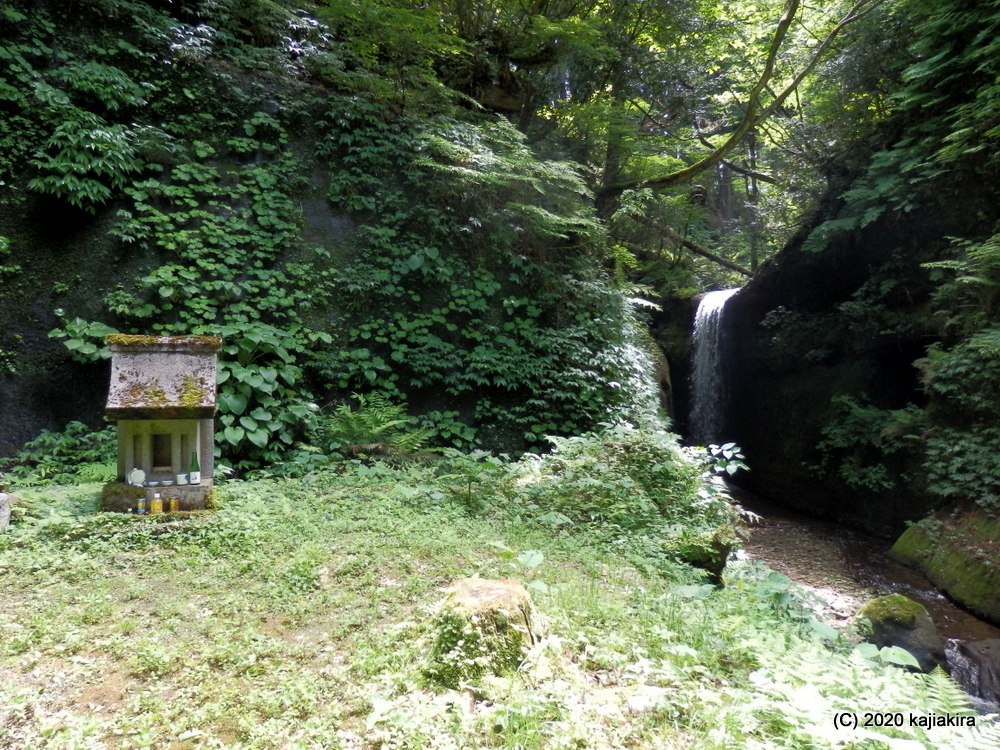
point(194, 476)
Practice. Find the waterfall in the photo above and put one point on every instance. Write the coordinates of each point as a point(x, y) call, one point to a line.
point(706, 370)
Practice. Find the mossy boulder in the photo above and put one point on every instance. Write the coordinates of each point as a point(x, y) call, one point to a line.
point(959, 552)
point(482, 627)
point(899, 621)
point(709, 551)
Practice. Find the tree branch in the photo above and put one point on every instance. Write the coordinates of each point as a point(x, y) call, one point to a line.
point(751, 173)
point(860, 9)
point(753, 103)
point(699, 250)
point(754, 112)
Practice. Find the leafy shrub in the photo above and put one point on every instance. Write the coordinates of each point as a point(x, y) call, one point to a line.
point(76, 455)
point(964, 465)
point(965, 377)
point(619, 475)
point(639, 490)
point(263, 404)
point(856, 441)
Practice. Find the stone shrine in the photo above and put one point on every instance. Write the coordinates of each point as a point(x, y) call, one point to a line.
point(163, 397)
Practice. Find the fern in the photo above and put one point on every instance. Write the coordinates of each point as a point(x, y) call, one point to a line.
point(799, 693)
point(375, 425)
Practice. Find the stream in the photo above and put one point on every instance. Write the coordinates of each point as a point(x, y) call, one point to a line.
point(846, 568)
point(841, 567)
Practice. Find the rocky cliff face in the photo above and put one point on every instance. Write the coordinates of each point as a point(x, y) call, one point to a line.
point(71, 265)
point(811, 329)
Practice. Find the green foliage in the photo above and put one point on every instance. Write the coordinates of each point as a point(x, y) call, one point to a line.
point(225, 234)
point(262, 404)
point(858, 437)
point(473, 270)
point(962, 465)
point(86, 161)
point(72, 122)
point(946, 111)
point(75, 455)
point(84, 339)
point(965, 377)
point(387, 49)
point(375, 425)
point(637, 490)
point(620, 478)
point(465, 291)
point(726, 458)
point(968, 283)
point(255, 599)
point(945, 138)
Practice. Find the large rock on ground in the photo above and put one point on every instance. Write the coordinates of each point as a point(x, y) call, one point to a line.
point(7, 502)
point(899, 621)
point(959, 551)
point(482, 627)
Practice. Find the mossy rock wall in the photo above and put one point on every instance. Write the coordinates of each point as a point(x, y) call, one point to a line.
point(959, 552)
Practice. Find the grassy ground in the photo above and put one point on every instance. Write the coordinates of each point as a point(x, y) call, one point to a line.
point(296, 616)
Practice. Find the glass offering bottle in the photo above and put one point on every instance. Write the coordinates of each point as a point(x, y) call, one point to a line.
point(194, 477)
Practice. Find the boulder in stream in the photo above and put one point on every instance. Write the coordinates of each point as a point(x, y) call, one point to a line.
point(899, 621)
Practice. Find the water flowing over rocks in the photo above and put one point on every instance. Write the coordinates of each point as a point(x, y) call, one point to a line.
point(975, 665)
point(707, 386)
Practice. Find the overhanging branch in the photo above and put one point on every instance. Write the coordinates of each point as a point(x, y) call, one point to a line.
point(754, 112)
point(705, 253)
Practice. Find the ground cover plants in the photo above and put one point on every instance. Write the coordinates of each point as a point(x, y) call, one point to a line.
point(297, 616)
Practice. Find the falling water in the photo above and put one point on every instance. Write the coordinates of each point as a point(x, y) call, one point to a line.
point(706, 373)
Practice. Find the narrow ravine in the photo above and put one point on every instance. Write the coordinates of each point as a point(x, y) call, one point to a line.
point(841, 568)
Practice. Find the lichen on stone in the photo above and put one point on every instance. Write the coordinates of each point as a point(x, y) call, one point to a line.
point(193, 391)
point(148, 393)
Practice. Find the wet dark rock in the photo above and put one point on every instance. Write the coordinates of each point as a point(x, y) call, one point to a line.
point(975, 665)
point(811, 327)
